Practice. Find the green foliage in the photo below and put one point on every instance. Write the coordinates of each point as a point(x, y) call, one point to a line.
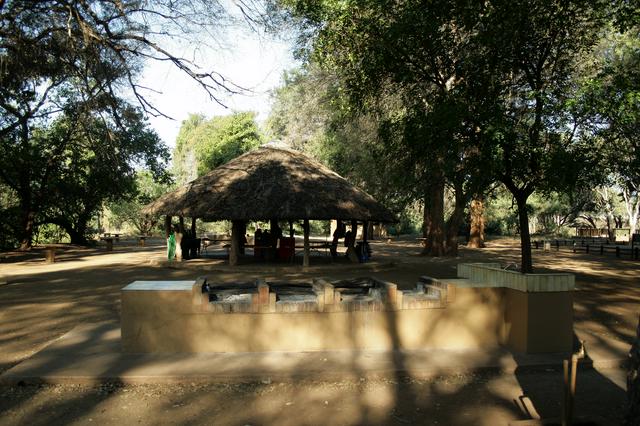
point(80, 61)
point(78, 162)
point(501, 214)
point(311, 114)
point(225, 138)
point(303, 108)
point(613, 100)
point(472, 92)
point(202, 145)
point(10, 213)
point(184, 159)
point(128, 211)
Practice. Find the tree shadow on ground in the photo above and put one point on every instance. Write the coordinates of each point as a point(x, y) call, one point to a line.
point(40, 306)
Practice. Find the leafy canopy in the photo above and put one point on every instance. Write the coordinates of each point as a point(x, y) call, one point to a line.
point(203, 145)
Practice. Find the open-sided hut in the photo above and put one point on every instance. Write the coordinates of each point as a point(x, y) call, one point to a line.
point(270, 183)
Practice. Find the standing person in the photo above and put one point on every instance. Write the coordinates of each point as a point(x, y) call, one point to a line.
point(171, 245)
point(257, 242)
point(337, 234)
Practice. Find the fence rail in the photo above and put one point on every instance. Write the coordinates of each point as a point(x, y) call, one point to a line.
point(591, 245)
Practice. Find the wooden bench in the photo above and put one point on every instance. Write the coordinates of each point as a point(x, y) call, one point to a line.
point(109, 241)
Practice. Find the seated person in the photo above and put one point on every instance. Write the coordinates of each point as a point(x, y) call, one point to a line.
point(337, 234)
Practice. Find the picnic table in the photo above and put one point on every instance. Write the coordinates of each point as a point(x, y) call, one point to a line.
point(109, 241)
point(206, 242)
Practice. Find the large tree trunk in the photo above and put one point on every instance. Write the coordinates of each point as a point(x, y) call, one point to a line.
point(525, 237)
point(454, 222)
point(28, 226)
point(633, 382)
point(426, 224)
point(77, 238)
point(434, 207)
point(476, 221)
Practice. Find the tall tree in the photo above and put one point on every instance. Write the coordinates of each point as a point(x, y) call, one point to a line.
point(79, 162)
point(534, 49)
point(128, 210)
point(415, 54)
point(310, 113)
point(185, 166)
point(613, 100)
point(62, 55)
point(203, 145)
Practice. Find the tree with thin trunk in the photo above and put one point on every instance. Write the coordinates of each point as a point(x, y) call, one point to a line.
point(60, 56)
point(535, 49)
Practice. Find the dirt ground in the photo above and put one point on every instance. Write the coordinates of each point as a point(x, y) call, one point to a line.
point(40, 302)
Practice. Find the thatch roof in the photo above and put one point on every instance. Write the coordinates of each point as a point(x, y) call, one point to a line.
point(270, 183)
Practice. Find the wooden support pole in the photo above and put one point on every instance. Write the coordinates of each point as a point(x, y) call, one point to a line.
point(290, 229)
point(236, 234)
point(365, 231)
point(193, 227)
point(354, 232)
point(305, 259)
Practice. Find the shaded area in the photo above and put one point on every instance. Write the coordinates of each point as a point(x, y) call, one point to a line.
point(42, 302)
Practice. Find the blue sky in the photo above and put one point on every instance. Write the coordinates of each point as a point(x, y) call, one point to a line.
point(248, 59)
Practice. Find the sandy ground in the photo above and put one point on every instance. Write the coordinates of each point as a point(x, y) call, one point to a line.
point(40, 302)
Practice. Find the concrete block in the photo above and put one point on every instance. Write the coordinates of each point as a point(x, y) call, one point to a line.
point(272, 302)
point(321, 287)
point(399, 299)
point(263, 294)
point(196, 292)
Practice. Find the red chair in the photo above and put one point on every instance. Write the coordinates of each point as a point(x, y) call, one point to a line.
point(287, 248)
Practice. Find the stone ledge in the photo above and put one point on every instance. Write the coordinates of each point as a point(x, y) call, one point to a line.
point(491, 275)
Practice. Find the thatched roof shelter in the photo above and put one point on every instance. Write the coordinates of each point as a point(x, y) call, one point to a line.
point(271, 183)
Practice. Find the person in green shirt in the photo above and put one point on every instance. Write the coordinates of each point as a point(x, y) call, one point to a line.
point(171, 245)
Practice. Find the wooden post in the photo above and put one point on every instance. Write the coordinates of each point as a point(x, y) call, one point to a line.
point(354, 231)
point(236, 235)
point(193, 227)
point(365, 231)
point(305, 259)
point(290, 229)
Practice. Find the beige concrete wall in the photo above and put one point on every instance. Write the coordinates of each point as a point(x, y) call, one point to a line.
point(157, 321)
point(467, 316)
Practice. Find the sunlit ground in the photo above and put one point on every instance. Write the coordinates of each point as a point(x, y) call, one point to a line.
point(43, 301)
